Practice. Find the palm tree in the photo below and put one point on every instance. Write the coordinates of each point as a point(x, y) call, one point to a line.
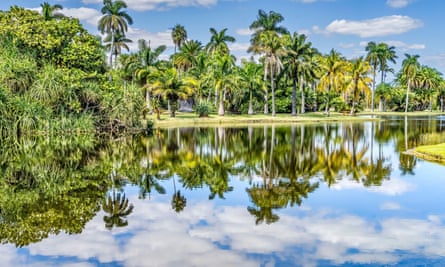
point(359, 69)
point(378, 56)
point(271, 45)
point(333, 69)
point(218, 42)
point(179, 36)
point(168, 84)
point(410, 66)
point(265, 22)
point(223, 77)
point(429, 79)
point(266, 40)
point(51, 11)
point(120, 41)
point(250, 77)
point(114, 20)
point(298, 52)
point(187, 56)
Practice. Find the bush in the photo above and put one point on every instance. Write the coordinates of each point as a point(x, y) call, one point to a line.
point(202, 109)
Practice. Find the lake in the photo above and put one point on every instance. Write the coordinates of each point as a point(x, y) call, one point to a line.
point(328, 194)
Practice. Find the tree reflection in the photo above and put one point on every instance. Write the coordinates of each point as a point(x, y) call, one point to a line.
point(117, 207)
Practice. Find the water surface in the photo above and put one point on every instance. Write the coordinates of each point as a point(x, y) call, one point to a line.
point(337, 194)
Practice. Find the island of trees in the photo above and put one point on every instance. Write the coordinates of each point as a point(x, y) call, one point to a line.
point(55, 75)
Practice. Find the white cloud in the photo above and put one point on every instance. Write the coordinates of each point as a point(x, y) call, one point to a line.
point(404, 46)
point(155, 39)
point(392, 187)
point(143, 5)
point(346, 46)
point(244, 31)
point(390, 206)
point(90, 15)
point(382, 26)
point(239, 47)
point(397, 3)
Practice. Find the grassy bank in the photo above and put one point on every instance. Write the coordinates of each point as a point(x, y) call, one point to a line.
point(434, 153)
point(191, 119)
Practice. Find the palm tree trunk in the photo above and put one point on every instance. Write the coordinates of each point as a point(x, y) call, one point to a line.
point(407, 93)
point(250, 111)
point(273, 90)
point(221, 105)
point(373, 89)
point(303, 109)
point(147, 100)
point(112, 49)
point(294, 97)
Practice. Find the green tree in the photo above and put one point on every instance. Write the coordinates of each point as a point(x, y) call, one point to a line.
point(179, 36)
point(218, 42)
point(410, 67)
point(359, 80)
point(168, 84)
point(120, 41)
point(118, 208)
point(250, 77)
point(51, 11)
point(114, 20)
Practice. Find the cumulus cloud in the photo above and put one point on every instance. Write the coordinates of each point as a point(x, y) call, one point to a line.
point(239, 47)
point(383, 26)
point(144, 5)
point(244, 31)
point(90, 15)
point(404, 46)
point(393, 187)
point(397, 3)
point(156, 39)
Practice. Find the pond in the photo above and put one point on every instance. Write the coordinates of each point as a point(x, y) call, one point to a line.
point(329, 194)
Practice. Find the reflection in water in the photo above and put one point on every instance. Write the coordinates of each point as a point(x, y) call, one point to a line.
point(57, 185)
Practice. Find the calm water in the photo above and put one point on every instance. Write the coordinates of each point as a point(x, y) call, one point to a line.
point(304, 195)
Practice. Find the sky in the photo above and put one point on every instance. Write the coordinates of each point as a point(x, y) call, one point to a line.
point(412, 26)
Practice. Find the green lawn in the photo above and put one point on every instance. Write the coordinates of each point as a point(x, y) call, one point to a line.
point(431, 152)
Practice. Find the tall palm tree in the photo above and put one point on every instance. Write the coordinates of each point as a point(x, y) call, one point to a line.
point(179, 36)
point(120, 41)
point(429, 80)
point(359, 69)
point(114, 20)
point(333, 69)
point(266, 37)
point(51, 11)
point(298, 52)
point(410, 66)
point(218, 42)
point(265, 22)
point(271, 45)
point(378, 57)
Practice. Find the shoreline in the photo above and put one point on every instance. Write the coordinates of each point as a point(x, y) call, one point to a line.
point(187, 119)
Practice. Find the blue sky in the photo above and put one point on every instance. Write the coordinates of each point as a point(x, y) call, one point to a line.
point(412, 26)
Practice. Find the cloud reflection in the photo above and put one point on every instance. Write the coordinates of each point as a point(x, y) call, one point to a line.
point(205, 235)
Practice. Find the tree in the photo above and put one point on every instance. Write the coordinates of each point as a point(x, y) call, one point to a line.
point(410, 66)
point(114, 20)
point(333, 68)
point(120, 41)
point(250, 77)
point(359, 69)
point(186, 58)
point(218, 42)
point(298, 53)
point(265, 22)
point(266, 38)
point(168, 84)
point(179, 36)
point(222, 73)
point(378, 56)
point(51, 11)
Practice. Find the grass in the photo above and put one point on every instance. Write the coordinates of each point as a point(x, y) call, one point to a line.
point(431, 152)
point(192, 120)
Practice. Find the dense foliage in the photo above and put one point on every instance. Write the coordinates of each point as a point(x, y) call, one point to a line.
point(53, 79)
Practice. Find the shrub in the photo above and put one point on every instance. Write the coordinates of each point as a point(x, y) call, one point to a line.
point(202, 109)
